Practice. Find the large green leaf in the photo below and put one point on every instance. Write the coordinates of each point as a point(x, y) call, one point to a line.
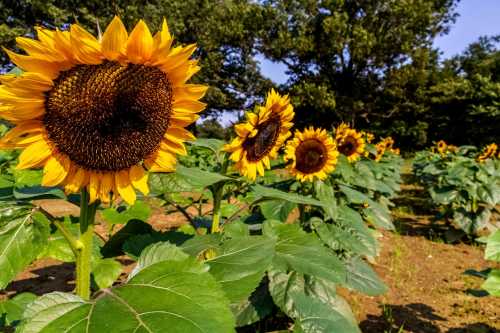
point(375, 213)
point(276, 209)
point(214, 145)
point(158, 252)
point(260, 191)
point(200, 178)
point(169, 296)
point(303, 252)
point(21, 239)
point(361, 277)
point(312, 303)
point(240, 264)
point(492, 251)
point(258, 306)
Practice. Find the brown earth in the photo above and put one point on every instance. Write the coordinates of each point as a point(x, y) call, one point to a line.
point(429, 291)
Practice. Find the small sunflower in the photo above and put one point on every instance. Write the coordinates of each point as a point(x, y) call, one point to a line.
point(488, 151)
point(349, 142)
point(380, 148)
point(442, 146)
point(98, 114)
point(313, 154)
point(261, 136)
point(368, 136)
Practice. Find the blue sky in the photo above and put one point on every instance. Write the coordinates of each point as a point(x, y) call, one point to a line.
point(477, 18)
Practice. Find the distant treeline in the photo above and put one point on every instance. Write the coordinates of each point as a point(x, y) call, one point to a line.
point(369, 63)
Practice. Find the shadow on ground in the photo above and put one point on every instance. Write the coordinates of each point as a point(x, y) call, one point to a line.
point(415, 317)
point(58, 277)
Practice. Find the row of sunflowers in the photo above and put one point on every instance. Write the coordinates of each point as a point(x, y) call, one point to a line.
point(98, 119)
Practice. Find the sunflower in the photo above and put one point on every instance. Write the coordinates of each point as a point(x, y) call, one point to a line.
point(368, 136)
point(442, 147)
point(349, 142)
point(313, 154)
point(261, 136)
point(488, 151)
point(98, 114)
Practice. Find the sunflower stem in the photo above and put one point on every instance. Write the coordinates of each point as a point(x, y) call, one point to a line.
point(217, 192)
point(84, 250)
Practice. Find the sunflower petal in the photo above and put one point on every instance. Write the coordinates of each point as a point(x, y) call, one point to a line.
point(34, 155)
point(140, 44)
point(55, 171)
point(86, 47)
point(124, 186)
point(139, 179)
point(107, 184)
point(76, 180)
point(93, 187)
point(114, 39)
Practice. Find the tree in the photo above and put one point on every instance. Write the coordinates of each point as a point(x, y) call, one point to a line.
point(225, 32)
point(465, 101)
point(346, 57)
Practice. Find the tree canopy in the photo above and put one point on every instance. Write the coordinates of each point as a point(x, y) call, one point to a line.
point(371, 63)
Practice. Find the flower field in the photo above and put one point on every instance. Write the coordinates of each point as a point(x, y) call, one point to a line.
point(136, 225)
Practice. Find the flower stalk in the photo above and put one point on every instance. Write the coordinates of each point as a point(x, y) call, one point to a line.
point(84, 246)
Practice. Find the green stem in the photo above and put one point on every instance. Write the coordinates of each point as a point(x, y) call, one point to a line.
point(217, 195)
point(84, 251)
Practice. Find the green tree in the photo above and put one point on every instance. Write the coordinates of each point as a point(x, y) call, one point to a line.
point(465, 101)
point(351, 60)
point(225, 32)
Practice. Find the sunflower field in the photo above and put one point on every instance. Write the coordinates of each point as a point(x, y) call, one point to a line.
point(260, 233)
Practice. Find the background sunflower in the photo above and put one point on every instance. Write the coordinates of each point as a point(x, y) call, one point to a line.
point(261, 136)
point(313, 154)
point(349, 142)
point(97, 114)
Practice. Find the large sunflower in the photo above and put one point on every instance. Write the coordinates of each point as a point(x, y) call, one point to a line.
point(98, 114)
point(261, 136)
point(313, 154)
point(442, 147)
point(349, 142)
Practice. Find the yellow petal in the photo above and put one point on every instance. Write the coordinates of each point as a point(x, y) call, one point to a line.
point(190, 91)
point(31, 64)
point(260, 168)
point(107, 184)
point(76, 180)
point(173, 146)
point(139, 179)
point(177, 133)
point(34, 155)
point(164, 160)
point(55, 171)
point(124, 187)
point(93, 187)
point(187, 106)
point(86, 48)
point(140, 44)
point(114, 39)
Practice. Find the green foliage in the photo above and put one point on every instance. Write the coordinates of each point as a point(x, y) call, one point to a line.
point(492, 283)
point(467, 190)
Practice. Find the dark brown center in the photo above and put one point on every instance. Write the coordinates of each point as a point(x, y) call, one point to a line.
point(260, 145)
point(348, 146)
point(311, 155)
point(110, 116)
